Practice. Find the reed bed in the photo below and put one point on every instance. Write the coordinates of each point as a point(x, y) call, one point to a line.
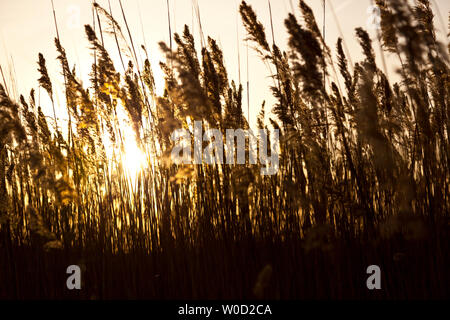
point(363, 176)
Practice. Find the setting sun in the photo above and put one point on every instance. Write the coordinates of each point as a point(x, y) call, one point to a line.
point(254, 150)
point(133, 158)
point(130, 156)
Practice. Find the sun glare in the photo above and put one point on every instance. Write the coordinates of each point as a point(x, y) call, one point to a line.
point(133, 158)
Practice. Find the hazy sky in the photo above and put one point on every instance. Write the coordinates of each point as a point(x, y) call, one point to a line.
point(27, 28)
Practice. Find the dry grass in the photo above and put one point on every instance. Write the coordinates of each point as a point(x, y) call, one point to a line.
point(363, 179)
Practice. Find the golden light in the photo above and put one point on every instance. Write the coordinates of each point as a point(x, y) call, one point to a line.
point(133, 158)
point(129, 156)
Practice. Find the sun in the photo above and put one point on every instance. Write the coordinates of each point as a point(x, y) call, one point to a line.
point(126, 153)
point(133, 158)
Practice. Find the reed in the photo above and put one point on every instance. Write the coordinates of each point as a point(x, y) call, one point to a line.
point(363, 176)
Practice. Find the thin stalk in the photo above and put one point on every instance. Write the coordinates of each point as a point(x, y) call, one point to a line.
point(142, 25)
point(325, 71)
point(273, 45)
point(4, 81)
point(383, 60)
point(129, 33)
point(341, 34)
point(271, 23)
point(51, 98)
point(135, 56)
point(238, 45)
point(248, 87)
point(202, 37)
point(70, 132)
point(323, 34)
point(99, 24)
point(115, 37)
point(12, 77)
point(54, 18)
point(95, 60)
point(170, 26)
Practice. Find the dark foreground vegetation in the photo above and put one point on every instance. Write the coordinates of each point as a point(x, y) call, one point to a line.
point(244, 269)
point(363, 178)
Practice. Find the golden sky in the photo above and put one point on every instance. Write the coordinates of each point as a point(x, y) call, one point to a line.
point(27, 28)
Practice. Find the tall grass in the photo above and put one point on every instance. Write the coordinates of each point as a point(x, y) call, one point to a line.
point(363, 178)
